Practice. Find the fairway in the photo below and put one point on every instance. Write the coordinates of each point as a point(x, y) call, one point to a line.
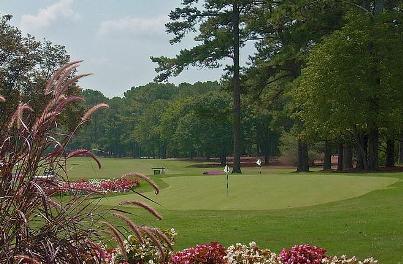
point(86, 168)
point(347, 213)
point(259, 192)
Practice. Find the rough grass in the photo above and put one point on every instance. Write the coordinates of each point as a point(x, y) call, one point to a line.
point(355, 214)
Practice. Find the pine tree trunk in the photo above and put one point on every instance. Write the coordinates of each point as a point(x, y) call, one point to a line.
point(266, 149)
point(299, 156)
point(390, 153)
point(347, 157)
point(236, 92)
point(373, 144)
point(327, 160)
point(362, 152)
point(373, 133)
point(303, 159)
point(340, 158)
point(306, 157)
point(134, 150)
point(401, 151)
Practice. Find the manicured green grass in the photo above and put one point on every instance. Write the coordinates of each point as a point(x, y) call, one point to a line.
point(262, 192)
point(354, 214)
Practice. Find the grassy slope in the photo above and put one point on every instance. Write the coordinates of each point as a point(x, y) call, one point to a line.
point(370, 224)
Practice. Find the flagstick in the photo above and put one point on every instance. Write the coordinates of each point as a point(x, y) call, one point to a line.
point(227, 183)
point(226, 170)
point(259, 163)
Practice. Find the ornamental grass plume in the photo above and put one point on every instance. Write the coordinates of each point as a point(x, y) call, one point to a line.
point(145, 178)
point(117, 236)
point(147, 252)
point(35, 225)
point(84, 152)
point(143, 205)
point(150, 234)
point(133, 227)
point(92, 110)
point(163, 237)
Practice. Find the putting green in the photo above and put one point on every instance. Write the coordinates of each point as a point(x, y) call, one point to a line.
point(258, 192)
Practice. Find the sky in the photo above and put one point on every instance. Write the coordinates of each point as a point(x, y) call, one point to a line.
point(115, 39)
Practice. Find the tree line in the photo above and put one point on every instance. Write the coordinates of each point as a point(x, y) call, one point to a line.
point(154, 120)
point(166, 120)
point(325, 79)
point(336, 64)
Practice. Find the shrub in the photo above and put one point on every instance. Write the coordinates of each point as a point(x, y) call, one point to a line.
point(302, 254)
point(212, 253)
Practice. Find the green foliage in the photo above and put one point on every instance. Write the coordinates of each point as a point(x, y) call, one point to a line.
point(25, 65)
point(289, 149)
point(200, 125)
point(165, 120)
point(288, 30)
point(353, 78)
point(212, 21)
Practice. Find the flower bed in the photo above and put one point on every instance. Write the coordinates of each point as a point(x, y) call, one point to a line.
point(215, 253)
point(141, 252)
point(100, 185)
point(252, 254)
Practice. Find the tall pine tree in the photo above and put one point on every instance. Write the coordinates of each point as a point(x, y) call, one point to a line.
point(221, 32)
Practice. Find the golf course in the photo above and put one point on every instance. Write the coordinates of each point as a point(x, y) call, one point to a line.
point(347, 213)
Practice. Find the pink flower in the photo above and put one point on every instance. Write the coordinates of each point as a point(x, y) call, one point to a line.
point(302, 254)
point(104, 186)
point(212, 253)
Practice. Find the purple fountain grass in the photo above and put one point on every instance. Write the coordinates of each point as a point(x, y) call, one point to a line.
point(36, 226)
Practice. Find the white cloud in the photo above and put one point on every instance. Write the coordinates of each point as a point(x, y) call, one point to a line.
point(48, 15)
point(134, 25)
